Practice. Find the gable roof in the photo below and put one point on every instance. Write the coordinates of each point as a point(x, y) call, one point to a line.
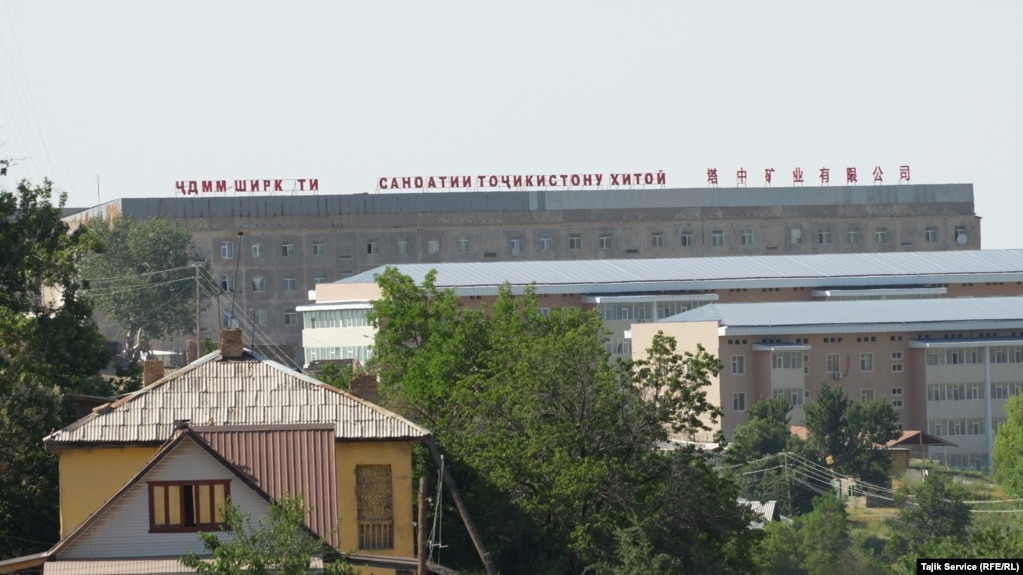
point(251, 390)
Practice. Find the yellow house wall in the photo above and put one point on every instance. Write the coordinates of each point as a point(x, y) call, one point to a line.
point(398, 455)
point(88, 477)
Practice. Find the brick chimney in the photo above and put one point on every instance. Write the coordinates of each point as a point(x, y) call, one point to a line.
point(365, 386)
point(152, 370)
point(191, 351)
point(231, 344)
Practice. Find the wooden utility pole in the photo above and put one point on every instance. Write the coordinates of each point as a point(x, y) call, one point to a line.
point(462, 511)
point(198, 335)
point(421, 521)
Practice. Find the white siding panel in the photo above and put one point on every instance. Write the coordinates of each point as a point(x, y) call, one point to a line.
point(123, 530)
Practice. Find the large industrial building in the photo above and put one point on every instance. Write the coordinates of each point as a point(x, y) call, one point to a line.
point(780, 324)
point(268, 251)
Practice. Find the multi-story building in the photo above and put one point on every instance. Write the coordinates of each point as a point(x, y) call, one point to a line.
point(627, 292)
point(947, 365)
point(267, 252)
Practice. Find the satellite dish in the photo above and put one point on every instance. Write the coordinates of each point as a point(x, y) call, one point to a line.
point(962, 239)
point(515, 251)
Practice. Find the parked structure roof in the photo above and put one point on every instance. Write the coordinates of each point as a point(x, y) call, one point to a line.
point(712, 273)
point(251, 390)
point(860, 315)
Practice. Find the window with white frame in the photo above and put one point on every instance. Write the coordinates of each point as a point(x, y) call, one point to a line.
point(882, 235)
point(433, 246)
point(605, 241)
point(746, 238)
point(227, 250)
point(319, 247)
point(546, 243)
point(866, 362)
point(463, 244)
point(289, 283)
point(257, 250)
point(290, 317)
point(258, 284)
point(319, 280)
point(834, 363)
point(852, 236)
point(866, 394)
point(657, 240)
point(739, 401)
point(516, 246)
point(372, 247)
point(824, 236)
point(931, 233)
point(260, 316)
point(960, 231)
point(288, 249)
point(796, 236)
point(687, 239)
point(575, 242)
point(896, 392)
point(738, 364)
point(717, 238)
point(786, 360)
point(227, 283)
point(402, 246)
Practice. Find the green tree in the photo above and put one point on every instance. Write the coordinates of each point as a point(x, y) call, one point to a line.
point(765, 432)
point(933, 511)
point(1008, 448)
point(142, 279)
point(278, 544)
point(552, 446)
point(49, 345)
point(849, 436)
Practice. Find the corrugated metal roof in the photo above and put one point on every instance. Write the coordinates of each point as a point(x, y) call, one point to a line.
point(858, 313)
point(248, 391)
point(708, 273)
point(286, 461)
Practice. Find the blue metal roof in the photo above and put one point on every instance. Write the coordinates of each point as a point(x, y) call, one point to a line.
point(713, 273)
point(866, 315)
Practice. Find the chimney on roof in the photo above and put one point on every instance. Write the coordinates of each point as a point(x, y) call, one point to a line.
point(231, 343)
point(365, 386)
point(152, 370)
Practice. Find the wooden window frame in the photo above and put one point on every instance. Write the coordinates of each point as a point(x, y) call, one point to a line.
point(212, 526)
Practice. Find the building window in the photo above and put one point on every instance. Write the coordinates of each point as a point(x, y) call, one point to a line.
point(372, 247)
point(834, 364)
point(257, 250)
point(433, 246)
point(575, 242)
point(897, 403)
point(796, 236)
point(289, 283)
point(187, 505)
point(738, 365)
point(739, 401)
point(516, 246)
point(931, 234)
point(463, 244)
point(319, 280)
point(852, 236)
point(960, 232)
point(291, 317)
point(746, 238)
point(866, 362)
point(786, 360)
point(882, 235)
point(824, 236)
point(546, 243)
point(717, 238)
point(287, 249)
point(866, 395)
point(896, 362)
point(319, 248)
point(402, 246)
point(896, 392)
point(227, 283)
point(227, 250)
point(260, 316)
point(605, 241)
point(687, 239)
point(258, 284)
point(657, 240)
point(374, 506)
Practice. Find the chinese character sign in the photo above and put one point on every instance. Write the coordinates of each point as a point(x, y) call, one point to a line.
point(740, 176)
point(878, 175)
point(850, 175)
point(825, 175)
point(712, 176)
point(797, 176)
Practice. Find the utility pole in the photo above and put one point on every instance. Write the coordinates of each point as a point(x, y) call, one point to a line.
point(421, 563)
point(198, 330)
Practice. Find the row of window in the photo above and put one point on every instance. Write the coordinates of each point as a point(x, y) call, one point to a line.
point(963, 355)
point(797, 396)
point(259, 316)
point(335, 318)
point(796, 360)
point(575, 241)
point(972, 391)
point(961, 426)
point(359, 352)
point(259, 283)
point(644, 311)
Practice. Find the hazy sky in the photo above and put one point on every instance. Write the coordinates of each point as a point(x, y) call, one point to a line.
point(144, 93)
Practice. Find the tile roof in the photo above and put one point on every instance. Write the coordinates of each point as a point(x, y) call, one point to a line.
point(247, 391)
point(708, 273)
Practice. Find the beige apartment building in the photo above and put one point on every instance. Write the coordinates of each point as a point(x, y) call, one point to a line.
point(268, 252)
point(947, 365)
